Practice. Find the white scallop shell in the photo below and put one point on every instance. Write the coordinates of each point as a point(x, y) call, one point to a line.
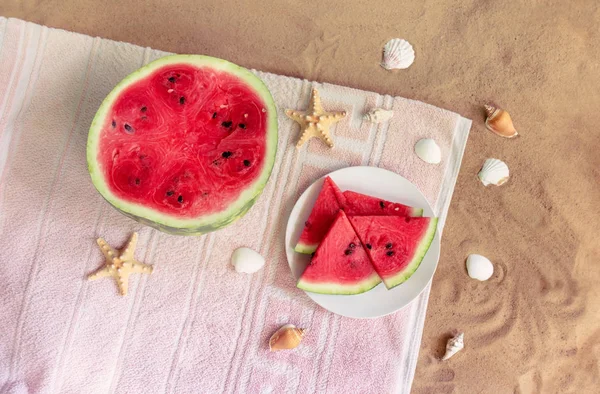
point(479, 267)
point(454, 345)
point(246, 260)
point(428, 151)
point(494, 172)
point(378, 115)
point(397, 54)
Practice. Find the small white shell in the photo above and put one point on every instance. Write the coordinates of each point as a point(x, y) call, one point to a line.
point(397, 54)
point(494, 172)
point(479, 267)
point(378, 115)
point(247, 260)
point(428, 151)
point(454, 345)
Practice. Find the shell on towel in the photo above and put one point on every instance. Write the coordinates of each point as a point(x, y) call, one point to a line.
point(397, 54)
point(378, 115)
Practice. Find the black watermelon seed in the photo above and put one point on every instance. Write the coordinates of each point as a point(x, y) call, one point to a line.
point(216, 162)
point(312, 254)
point(181, 100)
point(352, 245)
point(128, 128)
point(381, 204)
point(348, 251)
point(247, 163)
point(143, 109)
point(227, 124)
point(226, 154)
point(388, 246)
point(180, 199)
point(114, 124)
point(137, 181)
point(214, 115)
point(172, 79)
point(242, 126)
point(307, 223)
point(170, 193)
point(368, 246)
point(390, 253)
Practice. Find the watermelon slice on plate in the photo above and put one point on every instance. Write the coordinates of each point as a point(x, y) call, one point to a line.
point(396, 245)
point(324, 212)
point(340, 265)
point(185, 144)
point(363, 205)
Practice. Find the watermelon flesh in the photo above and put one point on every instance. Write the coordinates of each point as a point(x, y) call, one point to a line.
point(396, 245)
point(340, 265)
point(324, 212)
point(186, 144)
point(363, 205)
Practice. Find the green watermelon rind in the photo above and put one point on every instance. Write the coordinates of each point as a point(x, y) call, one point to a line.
point(340, 289)
point(169, 223)
point(416, 212)
point(402, 276)
point(305, 248)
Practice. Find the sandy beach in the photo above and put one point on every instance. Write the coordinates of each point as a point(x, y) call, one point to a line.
point(533, 327)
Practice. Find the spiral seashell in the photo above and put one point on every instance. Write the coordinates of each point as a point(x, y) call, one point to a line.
point(397, 54)
point(287, 337)
point(494, 172)
point(378, 115)
point(454, 345)
point(499, 122)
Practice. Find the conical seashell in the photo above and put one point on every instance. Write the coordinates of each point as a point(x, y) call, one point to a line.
point(454, 345)
point(397, 54)
point(499, 122)
point(428, 151)
point(479, 267)
point(378, 115)
point(287, 337)
point(494, 172)
point(247, 260)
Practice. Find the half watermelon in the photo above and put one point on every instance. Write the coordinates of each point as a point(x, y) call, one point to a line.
point(396, 245)
point(340, 264)
point(363, 205)
point(324, 212)
point(186, 144)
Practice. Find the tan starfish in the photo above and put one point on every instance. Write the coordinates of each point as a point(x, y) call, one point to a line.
point(315, 121)
point(120, 265)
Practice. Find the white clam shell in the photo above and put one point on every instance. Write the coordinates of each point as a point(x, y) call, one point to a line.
point(246, 260)
point(454, 345)
point(479, 267)
point(378, 115)
point(428, 151)
point(494, 172)
point(397, 54)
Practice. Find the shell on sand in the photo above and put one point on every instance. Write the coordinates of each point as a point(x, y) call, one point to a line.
point(499, 122)
point(397, 54)
point(454, 345)
point(494, 172)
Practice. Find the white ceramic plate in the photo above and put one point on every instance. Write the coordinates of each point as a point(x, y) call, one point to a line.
point(379, 183)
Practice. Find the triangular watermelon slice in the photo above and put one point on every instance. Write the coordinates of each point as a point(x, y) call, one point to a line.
point(396, 245)
point(340, 264)
point(358, 204)
point(328, 203)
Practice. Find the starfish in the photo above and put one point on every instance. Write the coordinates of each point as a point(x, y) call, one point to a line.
point(315, 121)
point(120, 265)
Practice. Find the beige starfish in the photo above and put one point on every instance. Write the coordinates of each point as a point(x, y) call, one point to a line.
point(315, 121)
point(120, 265)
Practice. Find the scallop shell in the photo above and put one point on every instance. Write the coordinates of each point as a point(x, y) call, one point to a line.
point(246, 260)
point(454, 345)
point(287, 337)
point(428, 151)
point(494, 172)
point(378, 115)
point(499, 122)
point(397, 54)
point(479, 267)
